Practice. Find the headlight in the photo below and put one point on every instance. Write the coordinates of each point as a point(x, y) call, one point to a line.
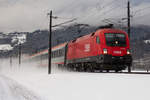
point(128, 52)
point(105, 51)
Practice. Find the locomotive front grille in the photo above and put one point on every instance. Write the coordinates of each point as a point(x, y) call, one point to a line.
point(116, 60)
point(109, 59)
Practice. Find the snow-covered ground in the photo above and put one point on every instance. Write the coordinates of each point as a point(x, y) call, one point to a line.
point(63, 85)
point(11, 90)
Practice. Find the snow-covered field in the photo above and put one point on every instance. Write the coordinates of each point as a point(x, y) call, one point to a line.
point(63, 85)
point(11, 90)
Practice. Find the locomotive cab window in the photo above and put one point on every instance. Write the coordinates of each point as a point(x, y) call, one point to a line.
point(115, 39)
point(97, 40)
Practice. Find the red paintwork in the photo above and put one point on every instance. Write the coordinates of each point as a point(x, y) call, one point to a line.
point(86, 46)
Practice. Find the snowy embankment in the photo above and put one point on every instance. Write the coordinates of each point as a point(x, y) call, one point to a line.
point(11, 90)
point(80, 86)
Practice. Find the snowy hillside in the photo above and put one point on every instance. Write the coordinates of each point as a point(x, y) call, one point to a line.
point(19, 39)
point(62, 85)
point(5, 47)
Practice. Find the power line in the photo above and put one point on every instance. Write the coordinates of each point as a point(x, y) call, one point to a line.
point(139, 10)
point(99, 4)
point(65, 22)
point(142, 15)
point(104, 7)
point(108, 4)
point(114, 21)
point(109, 19)
point(142, 9)
point(110, 10)
point(56, 17)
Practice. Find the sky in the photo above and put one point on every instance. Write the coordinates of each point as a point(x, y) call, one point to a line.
point(29, 15)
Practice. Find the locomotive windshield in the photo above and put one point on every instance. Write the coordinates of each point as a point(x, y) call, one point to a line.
point(115, 39)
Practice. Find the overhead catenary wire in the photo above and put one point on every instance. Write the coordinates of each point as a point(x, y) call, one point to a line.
point(103, 13)
point(114, 21)
point(56, 17)
point(103, 8)
point(65, 22)
point(139, 10)
point(108, 11)
point(64, 18)
point(137, 17)
point(108, 4)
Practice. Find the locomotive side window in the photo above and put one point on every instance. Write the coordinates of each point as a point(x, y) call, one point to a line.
point(115, 39)
point(97, 40)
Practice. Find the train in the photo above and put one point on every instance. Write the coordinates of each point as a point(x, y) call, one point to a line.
point(105, 49)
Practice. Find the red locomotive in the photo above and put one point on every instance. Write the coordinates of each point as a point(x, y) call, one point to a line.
point(105, 49)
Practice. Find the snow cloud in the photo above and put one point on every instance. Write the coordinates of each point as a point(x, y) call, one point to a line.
point(29, 15)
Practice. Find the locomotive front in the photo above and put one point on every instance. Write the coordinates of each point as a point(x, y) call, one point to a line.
point(115, 50)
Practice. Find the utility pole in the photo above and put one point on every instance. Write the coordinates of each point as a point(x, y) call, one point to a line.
point(11, 59)
point(50, 46)
point(128, 13)
point(19, 54)
point(50, 37)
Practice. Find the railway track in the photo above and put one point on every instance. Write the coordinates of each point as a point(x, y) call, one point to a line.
point(119, 72)
point(147, 73)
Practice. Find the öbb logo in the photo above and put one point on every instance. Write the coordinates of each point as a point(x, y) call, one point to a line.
point(87, 47)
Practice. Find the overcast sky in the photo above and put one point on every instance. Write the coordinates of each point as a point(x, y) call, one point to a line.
point(29, 15)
